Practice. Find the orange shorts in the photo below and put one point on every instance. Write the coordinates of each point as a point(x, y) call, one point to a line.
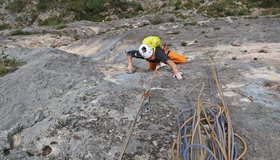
point(175, 57)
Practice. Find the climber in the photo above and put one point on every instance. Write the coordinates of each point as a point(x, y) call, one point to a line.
point(154, 52)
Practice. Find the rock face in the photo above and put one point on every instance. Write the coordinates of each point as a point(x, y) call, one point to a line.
point(76, 101)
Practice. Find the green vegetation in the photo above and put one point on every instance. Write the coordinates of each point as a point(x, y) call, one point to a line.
point(193, 4)
point(94, 10)
point(27, 18)
point(17, 6)
point(4, 26)
point(190, 23)
point(178, 4)
point(61, 26)
point(8, 65)
point(100, 10)
point(19, 32)
point(271, 11)
point(43, 5)
point(51, 21)
point(224, 8)
point(262, 3)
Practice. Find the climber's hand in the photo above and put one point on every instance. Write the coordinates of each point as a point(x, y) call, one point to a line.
point(178, 75)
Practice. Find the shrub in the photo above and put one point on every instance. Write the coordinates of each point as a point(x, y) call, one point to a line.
point(264, 3)
point(129, 9)
point(271, 11)
point(27, 18)
point(19, 32)
point(16, 6)
point(4, 26)
point(178, 4)
point(60, 26)
point(43, 5)
point(8, 65)
point(56, 20)
point(193, 4)
point(95, 5)
point(94, 10)
point(224, 8)
point(190, 23)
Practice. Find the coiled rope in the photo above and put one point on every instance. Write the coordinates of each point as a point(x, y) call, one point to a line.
point(205, 132)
